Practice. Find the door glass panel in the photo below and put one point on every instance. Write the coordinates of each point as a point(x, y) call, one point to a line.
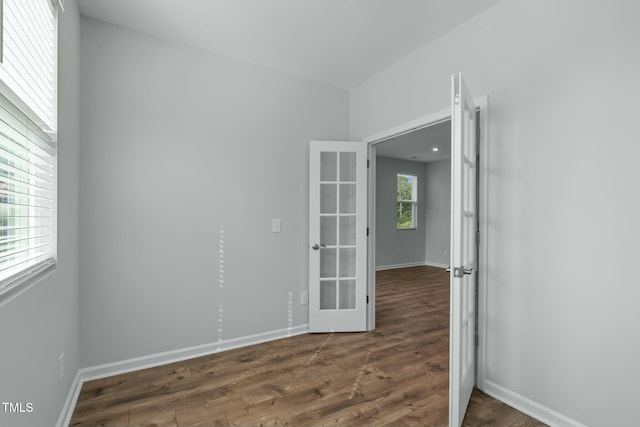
point(328, 230)
point(328, 198)
point(328, 263)
point(347, 230)
point(328, 166)
point(347, 198)
point(327, 295)
point(347, 167)
point(347, 262)
point(347, 294)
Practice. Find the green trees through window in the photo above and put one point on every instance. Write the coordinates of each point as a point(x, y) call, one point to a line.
point(406, 190)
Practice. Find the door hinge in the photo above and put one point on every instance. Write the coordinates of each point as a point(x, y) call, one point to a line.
point(367, 231)
point(367, 299)
point(367, 163)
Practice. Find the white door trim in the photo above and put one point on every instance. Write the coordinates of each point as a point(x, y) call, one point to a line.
point(483, 247)
point(482, 103)
point(420, 123)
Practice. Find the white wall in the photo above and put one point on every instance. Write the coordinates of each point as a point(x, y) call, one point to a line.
point(437, 212)
point(562, 79)
point(176, 144)
point(42, 323)
point(395, 247)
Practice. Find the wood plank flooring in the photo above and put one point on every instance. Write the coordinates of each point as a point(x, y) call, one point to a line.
point(395, 375)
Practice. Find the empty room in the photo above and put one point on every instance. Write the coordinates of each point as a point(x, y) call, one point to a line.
point(193, 230)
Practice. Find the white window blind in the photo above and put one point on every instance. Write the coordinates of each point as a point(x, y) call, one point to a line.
point(28, 126)
point(28, 71)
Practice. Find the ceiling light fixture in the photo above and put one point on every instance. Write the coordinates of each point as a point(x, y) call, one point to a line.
point(434, 149)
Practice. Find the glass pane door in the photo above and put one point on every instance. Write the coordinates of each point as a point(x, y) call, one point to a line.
point(337, 236)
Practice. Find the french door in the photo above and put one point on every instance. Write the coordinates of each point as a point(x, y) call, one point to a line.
point(464, 228)
point(337, 236)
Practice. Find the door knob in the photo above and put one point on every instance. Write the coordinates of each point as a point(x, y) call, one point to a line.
point(317, 246)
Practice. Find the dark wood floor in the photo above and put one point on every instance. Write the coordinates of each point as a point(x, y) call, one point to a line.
point(396, 375)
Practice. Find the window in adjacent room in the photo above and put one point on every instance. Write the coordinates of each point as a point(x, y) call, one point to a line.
point(28, 133)
point(407, 201)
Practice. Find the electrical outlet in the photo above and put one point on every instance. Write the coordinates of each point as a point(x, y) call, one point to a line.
point(61, 367)
point(276, 226)
point(304, 298)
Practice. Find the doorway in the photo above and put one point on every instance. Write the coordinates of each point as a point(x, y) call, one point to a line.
point(413, 198)
point(423, 153)
point(389, 140)
point(479, 268)
point(443, 116)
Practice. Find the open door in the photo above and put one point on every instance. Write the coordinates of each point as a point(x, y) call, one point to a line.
point(337, 236)
point(464, 228)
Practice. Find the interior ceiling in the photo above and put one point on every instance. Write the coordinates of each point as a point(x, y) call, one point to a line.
point(418, 145)
point(337, 42)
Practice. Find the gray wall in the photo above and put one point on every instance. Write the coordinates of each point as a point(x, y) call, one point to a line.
point(562, 308)
point(176, 144)
point(429, 244)
point(397, 247)
point(437, 195)
point(42, 323)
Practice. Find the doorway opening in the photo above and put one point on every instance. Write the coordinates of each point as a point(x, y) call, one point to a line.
point(413, 198)
point(397, 148)
point(381, 156)
point(440, 119)
point(423, 152)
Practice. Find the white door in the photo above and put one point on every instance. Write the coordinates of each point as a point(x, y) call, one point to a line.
point(337, 236)
point(463, 250)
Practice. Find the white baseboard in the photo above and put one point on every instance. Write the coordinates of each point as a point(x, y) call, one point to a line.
point(436, 264)
point(528, 406)
point(394, 266)
point(158, 359)
point(70, 403)
point(411, 264)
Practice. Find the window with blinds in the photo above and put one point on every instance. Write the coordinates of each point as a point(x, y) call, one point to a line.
point(407, 201)
point(28, 126)
point(29, 60)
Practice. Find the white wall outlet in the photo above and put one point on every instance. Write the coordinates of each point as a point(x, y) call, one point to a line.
point(61, 367)
point(445, 252)
point(304, 298)
point(276, 225)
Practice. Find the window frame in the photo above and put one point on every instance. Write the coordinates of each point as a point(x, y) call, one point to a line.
point(413, 201)
point(27, 132)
